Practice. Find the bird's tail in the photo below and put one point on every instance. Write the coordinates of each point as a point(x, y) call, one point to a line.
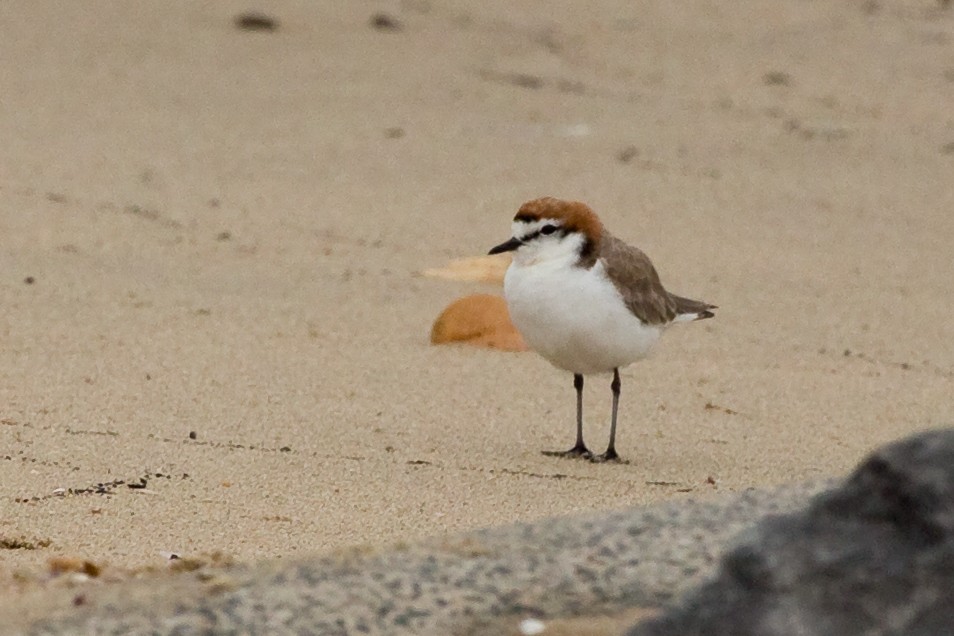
point(688, 310)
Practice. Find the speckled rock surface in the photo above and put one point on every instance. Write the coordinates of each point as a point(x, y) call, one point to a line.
point(874, 557)
point(466, 585)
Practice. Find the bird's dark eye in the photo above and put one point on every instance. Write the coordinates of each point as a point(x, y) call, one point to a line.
point(548, 229)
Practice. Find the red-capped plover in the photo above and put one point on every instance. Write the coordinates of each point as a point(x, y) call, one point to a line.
point(585, 300)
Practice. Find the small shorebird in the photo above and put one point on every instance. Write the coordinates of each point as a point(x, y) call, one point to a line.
point(585, 300)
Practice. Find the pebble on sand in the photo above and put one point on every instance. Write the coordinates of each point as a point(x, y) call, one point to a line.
point(479, 319)
point(481, 269)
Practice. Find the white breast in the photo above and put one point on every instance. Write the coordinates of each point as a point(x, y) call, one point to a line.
point(575, 317)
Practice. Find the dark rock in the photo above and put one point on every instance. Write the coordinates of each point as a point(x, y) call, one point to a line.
point(875, 556)
point(777, 78)
point(627, 154)
point(253, 21)
point(385, 22)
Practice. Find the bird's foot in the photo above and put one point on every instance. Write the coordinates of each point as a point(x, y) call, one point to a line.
point(577, 452)
point(609, 456)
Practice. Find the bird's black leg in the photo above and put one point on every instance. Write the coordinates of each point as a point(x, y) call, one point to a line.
point(610, 455)
point(579, 449)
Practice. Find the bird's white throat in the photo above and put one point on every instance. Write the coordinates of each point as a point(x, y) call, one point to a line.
point(557, 249)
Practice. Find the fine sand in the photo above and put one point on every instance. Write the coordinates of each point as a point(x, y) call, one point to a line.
point(211, 239)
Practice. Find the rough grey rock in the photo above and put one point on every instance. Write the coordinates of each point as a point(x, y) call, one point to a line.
point(873, 557)
point(469, 584)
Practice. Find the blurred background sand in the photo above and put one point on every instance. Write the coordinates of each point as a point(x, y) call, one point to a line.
point(210, 241)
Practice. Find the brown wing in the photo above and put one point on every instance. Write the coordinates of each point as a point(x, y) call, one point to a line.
point(637, 281)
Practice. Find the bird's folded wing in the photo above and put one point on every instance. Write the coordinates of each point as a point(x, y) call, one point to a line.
point(636, 280)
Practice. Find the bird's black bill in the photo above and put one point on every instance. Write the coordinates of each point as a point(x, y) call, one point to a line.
point(509, 246)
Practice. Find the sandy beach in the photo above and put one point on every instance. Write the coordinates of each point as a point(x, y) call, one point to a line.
point(214, 330)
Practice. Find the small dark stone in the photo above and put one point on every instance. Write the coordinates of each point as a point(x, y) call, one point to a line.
point(29, 280)
point(394, 132)
point(253, 21)
point(144, 213)
point(777, 78)
point(627, 154)
point(192, 435)
point(385, 22)
point(223, 236)
point(525, 80)
point(285, 449)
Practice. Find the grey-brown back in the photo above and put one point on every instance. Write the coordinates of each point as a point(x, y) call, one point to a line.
point(638, 282)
